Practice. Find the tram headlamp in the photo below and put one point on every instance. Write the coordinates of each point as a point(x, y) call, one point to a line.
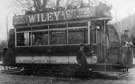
point(97, 27)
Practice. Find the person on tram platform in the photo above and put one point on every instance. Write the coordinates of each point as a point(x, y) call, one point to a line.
point(125, 37)
point(126, 58)
point(81, 57)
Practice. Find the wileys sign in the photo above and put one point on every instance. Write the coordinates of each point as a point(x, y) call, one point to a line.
point(54, 16)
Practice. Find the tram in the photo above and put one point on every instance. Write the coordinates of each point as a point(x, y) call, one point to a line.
point(51, 40)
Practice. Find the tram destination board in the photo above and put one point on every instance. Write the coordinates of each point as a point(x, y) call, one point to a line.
point(54, 16)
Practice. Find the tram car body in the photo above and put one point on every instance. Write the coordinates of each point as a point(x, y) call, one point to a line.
point(53, 38)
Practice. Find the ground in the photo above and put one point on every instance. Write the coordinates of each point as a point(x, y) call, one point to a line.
point(5, 78)
point(128, 78)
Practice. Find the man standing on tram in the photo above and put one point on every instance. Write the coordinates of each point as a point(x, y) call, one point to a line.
point(126, 59)
point(81, 58)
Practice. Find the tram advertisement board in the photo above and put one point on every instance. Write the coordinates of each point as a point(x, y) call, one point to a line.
point(54, 16)
point(58, 37)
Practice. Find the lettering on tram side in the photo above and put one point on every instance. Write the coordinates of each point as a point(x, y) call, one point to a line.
point(55, 16)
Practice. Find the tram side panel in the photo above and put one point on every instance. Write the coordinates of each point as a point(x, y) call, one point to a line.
point(47, 55)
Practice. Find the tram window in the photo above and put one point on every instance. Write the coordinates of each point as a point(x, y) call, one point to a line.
point(93, 36)
point(113, 35)
point(40, 38)
point(58, 37)
point(78, 36)
point(27, 38)
point(20, 39)
point(23, 39)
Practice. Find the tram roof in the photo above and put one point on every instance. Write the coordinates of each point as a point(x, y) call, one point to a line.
point(104, 18)
point(59, 16)
point(63, 22)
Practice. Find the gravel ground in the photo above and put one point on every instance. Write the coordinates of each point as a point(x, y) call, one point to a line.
point(129, 78)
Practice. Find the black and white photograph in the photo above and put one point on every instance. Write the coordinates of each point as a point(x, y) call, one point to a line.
point(67, 42)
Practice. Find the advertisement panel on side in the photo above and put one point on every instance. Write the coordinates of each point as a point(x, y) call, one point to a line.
point(47, 59)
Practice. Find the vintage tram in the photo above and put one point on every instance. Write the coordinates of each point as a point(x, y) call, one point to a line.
point(51, 40)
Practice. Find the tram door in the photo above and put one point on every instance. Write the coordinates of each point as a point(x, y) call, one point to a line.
point(99, 40)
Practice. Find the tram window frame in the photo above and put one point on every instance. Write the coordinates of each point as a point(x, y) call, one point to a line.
point(96, 30)
point(24, 39)
point(73, 40)
point(40, 39)
point(66, 27)
point(93, 35)
point(55, 40)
